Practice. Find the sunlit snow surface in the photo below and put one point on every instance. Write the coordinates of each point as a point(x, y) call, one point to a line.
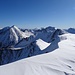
point(41, 44)
point(58, 62)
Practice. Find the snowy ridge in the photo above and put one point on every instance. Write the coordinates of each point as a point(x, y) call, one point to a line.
point(61, 61)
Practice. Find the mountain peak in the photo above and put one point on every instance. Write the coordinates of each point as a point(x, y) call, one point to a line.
point(14, 26)
point(71, 30)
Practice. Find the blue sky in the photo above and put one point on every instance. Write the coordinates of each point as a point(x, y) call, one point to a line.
point(37, 13)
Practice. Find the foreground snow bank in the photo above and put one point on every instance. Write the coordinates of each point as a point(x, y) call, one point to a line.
point(59, 62)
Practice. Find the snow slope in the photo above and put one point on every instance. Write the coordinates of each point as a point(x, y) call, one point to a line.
point(42, 44)
point(61, 61)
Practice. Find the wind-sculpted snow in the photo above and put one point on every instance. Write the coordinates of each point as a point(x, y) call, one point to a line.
point(60, 61)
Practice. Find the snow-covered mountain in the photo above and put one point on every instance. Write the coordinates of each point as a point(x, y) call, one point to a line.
point(55, 50)
point(60, 61)
point(16, 45)
point(70, 30)
point(44, 33)
point(9, 36)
